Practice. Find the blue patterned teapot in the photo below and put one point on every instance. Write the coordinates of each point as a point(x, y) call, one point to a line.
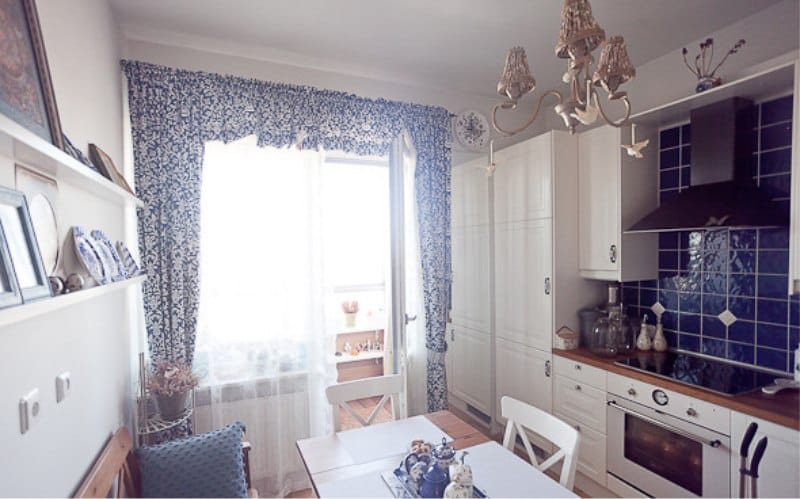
point(437, 477)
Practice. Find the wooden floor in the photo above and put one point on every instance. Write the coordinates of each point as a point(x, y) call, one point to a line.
point(364, 407)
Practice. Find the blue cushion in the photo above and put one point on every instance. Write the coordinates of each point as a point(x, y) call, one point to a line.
point(207, 465)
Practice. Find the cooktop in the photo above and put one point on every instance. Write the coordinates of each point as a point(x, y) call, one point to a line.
point(712, 375)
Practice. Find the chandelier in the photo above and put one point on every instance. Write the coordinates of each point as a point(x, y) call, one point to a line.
point(580, 35)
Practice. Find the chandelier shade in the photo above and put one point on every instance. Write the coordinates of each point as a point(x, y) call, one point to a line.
point(580, 34)
point(516, 80)
point(614, 67)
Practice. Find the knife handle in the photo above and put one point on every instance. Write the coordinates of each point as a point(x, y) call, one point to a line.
point(748, 439)
point(761, 446)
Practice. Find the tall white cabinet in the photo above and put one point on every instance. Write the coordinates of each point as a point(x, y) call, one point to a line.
point(518, 231)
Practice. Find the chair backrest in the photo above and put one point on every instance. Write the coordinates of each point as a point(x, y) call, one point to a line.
point(522, 416)
point(389, 387)
point(116, 465)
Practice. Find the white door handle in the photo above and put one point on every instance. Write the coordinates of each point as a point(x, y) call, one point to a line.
point(410, 318)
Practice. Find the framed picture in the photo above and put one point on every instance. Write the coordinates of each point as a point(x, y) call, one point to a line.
point(107, 168)
point(41, 193)
point(23, 248)
point(9, 289)
point(26, 91)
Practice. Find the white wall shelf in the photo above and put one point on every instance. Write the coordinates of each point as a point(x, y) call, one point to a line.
point(27, 148)
point(757, 87)
point(20, 313)
point(346, 357)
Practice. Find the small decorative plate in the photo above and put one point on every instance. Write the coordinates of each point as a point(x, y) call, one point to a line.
point(131, 268)
point(117, 268)
point(87, 255)
point(471, 129)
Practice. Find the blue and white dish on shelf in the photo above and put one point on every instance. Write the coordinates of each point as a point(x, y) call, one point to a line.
point(117, 269)
point(87, 254)
point(131, 267)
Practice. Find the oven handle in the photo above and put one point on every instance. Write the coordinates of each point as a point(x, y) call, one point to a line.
point(713, 443)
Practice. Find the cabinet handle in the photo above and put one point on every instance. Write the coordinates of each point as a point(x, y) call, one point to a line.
point(578, 428)
point(612, 253)
point(577, 367)
point(631, 392)
point(452, 334)
point(547, 368)
point(547, 285)
point(578, 387)
point(691, 412)
point(796, 286)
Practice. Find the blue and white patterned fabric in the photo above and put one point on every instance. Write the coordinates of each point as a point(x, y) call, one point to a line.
point(207, 465)
point(175, 112)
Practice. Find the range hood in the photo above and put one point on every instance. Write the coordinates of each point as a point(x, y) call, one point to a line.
point(722, 192)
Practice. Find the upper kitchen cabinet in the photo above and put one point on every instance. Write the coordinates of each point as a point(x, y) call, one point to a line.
point(523, 182)
point(614, 191)
point(469, 194)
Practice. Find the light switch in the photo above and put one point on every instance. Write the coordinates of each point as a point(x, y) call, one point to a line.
point(29, 410)
point(62, 386)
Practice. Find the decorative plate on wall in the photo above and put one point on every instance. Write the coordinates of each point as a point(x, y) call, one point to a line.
point(117, 271)
point(87, 254)
point(471, 129)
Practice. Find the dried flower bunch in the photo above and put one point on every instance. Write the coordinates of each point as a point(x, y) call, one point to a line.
point(170, 377)
point(703, 60)
point(350, 307)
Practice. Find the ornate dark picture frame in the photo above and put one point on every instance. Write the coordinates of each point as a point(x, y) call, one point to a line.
point(24, 250)
point(26, 89)
point(9, 288)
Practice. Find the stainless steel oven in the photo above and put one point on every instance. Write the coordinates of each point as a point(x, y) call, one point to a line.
point(665, 456)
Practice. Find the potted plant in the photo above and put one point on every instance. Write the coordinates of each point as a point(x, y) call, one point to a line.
point(170, 383)
point(350, 310)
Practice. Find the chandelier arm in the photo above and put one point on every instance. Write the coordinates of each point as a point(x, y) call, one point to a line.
point(513, 105)
point(624, 119)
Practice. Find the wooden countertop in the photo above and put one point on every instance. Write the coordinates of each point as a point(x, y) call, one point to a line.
point(782, 408)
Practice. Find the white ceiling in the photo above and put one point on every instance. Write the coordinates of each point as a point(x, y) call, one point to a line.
point(457, 44)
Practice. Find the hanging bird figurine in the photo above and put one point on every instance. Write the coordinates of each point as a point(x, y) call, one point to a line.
point(635, 148)
point(589, 114)
point(490, 167)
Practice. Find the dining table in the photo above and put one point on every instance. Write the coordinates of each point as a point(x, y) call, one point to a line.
point(351, 463)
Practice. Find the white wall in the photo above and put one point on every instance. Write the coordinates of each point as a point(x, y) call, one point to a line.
point(91, 340)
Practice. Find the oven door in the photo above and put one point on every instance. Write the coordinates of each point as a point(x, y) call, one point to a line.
point(664, 456)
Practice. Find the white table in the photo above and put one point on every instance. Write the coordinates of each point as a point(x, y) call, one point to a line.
point(338, 466)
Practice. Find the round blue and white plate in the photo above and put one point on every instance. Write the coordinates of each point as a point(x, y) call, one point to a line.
point(88, 256)
point(117, 269)
point(131, 267)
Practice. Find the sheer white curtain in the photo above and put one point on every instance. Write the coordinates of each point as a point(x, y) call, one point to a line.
point(262, 346)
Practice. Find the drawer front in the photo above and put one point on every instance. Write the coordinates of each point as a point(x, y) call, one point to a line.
point(679, 405)
point(591, 451)
point(583, 373)
point(583, 403)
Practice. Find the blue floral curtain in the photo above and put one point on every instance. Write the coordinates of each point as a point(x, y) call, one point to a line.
point(175, 112)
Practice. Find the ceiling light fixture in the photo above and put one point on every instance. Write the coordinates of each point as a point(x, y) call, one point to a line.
point(580, 35)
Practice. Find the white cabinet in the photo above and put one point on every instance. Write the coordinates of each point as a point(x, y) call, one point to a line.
point(471, 369)
point(523, 282)
point(778, 472)
point(523, 373)
point(469, 194)
point(523, 181)
point(471, 287)
point(614, 192)
point(592, 451)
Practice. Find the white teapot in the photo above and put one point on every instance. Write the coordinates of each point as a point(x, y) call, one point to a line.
point(460, 480)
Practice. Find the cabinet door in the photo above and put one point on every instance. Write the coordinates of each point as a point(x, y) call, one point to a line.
point(591, 450)
point(470, 256)
point(599, 198)
point(777, 474)
point(523, 283)
point(469, 194)
point(523, 373)
point(523, 181)
point(471, 371)
point(580, 402)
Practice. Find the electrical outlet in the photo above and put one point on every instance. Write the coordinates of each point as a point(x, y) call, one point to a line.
point(29, 410)
point(62, 386)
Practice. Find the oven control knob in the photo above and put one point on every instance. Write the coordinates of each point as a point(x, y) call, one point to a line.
point(691, 412)
point(631, 392)
point(660, 397)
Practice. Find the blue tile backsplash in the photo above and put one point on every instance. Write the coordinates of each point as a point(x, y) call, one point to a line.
point(725, 290)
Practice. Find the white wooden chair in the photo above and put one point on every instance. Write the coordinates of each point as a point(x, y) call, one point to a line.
point(340, 394)
point(523, 416)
